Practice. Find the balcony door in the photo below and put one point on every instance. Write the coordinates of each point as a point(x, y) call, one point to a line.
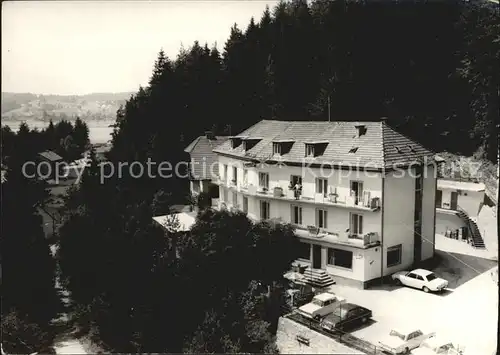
point(357, 191)
point(439, 198)
point(454, 200)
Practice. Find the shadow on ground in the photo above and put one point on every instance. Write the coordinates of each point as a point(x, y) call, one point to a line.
point(458, 268)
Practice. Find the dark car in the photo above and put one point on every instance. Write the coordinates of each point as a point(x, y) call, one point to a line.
point(347, 315)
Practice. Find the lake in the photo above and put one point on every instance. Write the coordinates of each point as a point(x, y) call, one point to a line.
point(99, 131)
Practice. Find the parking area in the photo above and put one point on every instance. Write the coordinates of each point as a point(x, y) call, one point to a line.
point(466, 313)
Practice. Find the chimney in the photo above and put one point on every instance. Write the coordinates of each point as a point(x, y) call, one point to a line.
point(384, 119)
point(210, 135)
point(361, 130)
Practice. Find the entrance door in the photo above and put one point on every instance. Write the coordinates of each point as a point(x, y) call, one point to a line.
point(439, 198)
point(454, 200)
point(316, 262)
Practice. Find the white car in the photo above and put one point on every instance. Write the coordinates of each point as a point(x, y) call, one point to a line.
point(321, 305)
point(438, 345)
point(402, 340)
point(422, 279)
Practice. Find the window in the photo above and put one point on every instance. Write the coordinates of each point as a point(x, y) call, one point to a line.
point(353, 150)
point(340, 312)
point(321, 218)
point(264, 210)
point(235, 199)
point(245, 204)
point(277, 148)
point(235, 175)
point(394, 255)
point(412, 276)
point(264, 180)
point(296, 215)
point(340, 257)
point(225, 172)
point(431, 277)
point(305, 251)
point(245, 176)
point(321, 186)
point(356, 227)
point(224, 195)
point(415, 334)
point(309, 150)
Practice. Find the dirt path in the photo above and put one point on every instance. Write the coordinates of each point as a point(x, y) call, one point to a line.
point(66, 342)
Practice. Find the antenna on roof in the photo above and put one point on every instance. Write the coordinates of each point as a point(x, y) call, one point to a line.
point(328, 108)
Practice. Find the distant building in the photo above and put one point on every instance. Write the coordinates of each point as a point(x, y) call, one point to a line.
point(204, 166)
point(50, 165)
point(458, 205)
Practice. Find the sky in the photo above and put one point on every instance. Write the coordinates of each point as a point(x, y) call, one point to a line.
point(81, 47)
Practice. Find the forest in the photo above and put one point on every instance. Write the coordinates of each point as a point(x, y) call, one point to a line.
point(429, 67)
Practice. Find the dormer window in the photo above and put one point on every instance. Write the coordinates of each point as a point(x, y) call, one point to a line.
point(361, 130)
point(235, 142)
point(250, 142)
point(353, 150)
point(310, 150)
point(276, 148)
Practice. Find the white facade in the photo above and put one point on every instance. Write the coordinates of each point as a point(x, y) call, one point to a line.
point(455, 195)
point(360, 238)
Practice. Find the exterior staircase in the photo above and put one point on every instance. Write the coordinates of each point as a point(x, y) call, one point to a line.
point(318, 278)
point(477, 239)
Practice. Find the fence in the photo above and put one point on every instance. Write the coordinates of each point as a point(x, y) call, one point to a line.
point(338, 335)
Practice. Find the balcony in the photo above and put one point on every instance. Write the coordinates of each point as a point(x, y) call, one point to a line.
point(312, 233)
point(278, 193)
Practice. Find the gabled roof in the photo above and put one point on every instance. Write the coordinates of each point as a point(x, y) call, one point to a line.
point(203, 157)
point(379, 147)
point(50, 155)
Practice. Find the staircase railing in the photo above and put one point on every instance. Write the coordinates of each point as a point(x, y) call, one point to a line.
point(468, 222)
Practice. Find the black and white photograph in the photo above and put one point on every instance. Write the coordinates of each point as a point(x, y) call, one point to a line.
point(250, 176)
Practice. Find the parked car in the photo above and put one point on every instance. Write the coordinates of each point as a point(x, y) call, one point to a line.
point(437, 345)
point(321, 305)
point(422, 279)
point(347, 315)
point(402, 341)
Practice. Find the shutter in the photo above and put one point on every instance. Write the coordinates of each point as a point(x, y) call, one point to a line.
point(292, 220)
point(316, 215)
point(325, 219)
point(317, 185)
point(360, 224)
point(300, 215)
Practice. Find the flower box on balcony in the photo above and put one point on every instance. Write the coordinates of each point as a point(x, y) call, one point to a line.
point(277, 192)
point(313, 230)
point(262, 190)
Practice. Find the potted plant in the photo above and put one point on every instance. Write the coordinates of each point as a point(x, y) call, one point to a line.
point(278, 191)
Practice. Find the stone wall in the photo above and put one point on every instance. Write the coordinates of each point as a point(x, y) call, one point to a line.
point(287, 342)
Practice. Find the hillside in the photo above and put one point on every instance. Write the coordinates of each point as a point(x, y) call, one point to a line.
point(27, 106)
